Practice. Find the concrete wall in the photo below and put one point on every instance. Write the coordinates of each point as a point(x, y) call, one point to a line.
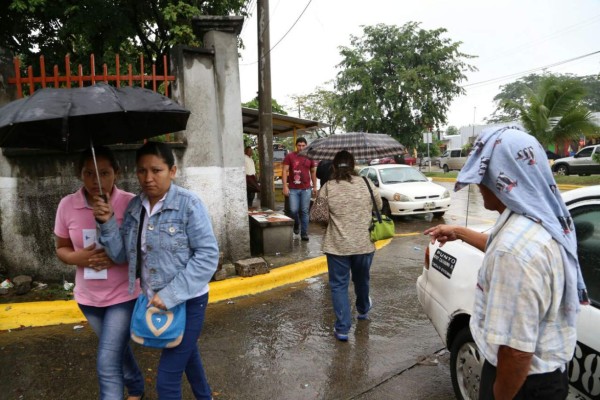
point(210, 162)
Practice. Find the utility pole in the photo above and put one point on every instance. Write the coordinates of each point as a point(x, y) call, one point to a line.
point(265, 111)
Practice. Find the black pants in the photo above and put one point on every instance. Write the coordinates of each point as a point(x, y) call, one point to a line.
point(250, 198)
point(548, 386)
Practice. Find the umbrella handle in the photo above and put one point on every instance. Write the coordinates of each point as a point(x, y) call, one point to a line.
point(97, 173)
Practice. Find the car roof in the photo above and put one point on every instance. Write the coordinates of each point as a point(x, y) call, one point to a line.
point(386, 166)
point(588, 191)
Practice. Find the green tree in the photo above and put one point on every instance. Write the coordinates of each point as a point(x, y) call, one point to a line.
point(451, 130)
point(275, 106)
point(399, 80)
point(554, 111)
point(321, 105)
point(519, 90)
point(55, 28)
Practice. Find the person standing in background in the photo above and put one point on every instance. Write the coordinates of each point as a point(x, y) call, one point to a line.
point(298, 173)
point(252, 185)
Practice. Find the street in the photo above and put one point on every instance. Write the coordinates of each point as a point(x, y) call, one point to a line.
point(279, 344)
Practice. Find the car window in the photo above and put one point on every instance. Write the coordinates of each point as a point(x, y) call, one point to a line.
point(455, 153)
point(446, 154)
point(587, 152)
point(401, 175)
point(587, 228)
point(364, 172)
point(373, 175)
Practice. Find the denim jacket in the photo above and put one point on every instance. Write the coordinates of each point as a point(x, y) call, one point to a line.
point(182, 250)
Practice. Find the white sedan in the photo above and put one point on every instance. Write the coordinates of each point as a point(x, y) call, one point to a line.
point(406, 191)
point(446, 290)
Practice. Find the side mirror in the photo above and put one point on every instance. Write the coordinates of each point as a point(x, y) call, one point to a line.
point(376, 183)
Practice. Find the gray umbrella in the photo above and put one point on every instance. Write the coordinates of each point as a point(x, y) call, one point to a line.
point(362, 146)
point(74, 119)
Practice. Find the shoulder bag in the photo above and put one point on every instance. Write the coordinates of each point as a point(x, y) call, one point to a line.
point(382, 226)
point(153, 327)
point(319, 212)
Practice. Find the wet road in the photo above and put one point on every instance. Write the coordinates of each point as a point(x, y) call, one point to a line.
point(279, 344)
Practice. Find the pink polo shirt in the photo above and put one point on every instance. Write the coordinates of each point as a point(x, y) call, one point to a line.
point(74, 215)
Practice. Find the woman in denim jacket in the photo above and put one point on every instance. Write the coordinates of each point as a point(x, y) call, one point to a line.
point(177, 258)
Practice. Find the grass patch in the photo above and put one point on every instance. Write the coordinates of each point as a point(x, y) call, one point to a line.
point(563, 180)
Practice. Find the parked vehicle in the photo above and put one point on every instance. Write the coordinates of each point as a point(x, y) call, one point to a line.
point(453, 159)
point(406, 191)
point(279, 153)
point(446, 290)
point(581, 163)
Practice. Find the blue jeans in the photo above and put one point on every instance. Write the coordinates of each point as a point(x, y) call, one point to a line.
point(185, 357)
point(115, 363)
point(299, 206)
point(340, 268)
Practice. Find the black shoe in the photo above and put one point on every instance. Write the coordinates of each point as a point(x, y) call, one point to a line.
point(296, 229)
point(305, 238)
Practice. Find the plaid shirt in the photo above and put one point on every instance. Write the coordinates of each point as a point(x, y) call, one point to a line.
point(520, 296)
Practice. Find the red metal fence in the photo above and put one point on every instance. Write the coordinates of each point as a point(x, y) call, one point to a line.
point(68, 79)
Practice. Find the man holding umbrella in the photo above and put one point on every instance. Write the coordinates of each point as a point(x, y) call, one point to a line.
point(298, 173)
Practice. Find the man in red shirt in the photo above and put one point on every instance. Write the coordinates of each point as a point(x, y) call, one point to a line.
point(298, 173)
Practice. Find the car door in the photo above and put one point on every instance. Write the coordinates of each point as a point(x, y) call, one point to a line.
point(582, 161)
point(584, 369)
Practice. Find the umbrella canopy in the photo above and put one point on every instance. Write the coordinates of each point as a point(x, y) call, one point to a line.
point(71, 119)
point(361, 145)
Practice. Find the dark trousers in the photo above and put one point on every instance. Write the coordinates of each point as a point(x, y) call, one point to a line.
point(250, 198)
point(548, 386)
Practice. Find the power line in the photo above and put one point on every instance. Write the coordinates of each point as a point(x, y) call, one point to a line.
point(493, 80)
point(285, 34)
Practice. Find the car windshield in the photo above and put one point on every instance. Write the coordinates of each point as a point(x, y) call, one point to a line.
point(401, 175)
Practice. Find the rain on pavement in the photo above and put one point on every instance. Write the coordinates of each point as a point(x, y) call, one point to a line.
point(278, 344)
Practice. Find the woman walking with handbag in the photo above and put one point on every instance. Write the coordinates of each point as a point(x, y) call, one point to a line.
point(101, 287)
point(347, 243)
point(168, 240)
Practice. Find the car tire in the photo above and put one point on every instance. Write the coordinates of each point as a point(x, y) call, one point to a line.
point(562, 169)
point(439, 214)
point(466, 364)
point(385, 209)
point(446, 169)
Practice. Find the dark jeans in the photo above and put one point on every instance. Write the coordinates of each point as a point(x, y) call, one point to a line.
point(250, 198)
point(548, 386)
point(185, 358)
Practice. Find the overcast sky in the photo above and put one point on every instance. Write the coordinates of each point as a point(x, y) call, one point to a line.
point(508, 36)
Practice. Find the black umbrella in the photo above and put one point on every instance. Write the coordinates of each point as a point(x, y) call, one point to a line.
point(67, 119)
point(73, 119)
point(362, 146)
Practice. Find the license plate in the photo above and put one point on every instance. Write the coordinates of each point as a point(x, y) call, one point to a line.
point(429, 206)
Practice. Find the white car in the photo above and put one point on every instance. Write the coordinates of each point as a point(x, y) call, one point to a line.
point(446, 290)
point(406, 191)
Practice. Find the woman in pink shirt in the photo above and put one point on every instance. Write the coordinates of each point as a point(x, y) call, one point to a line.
point(101, 287)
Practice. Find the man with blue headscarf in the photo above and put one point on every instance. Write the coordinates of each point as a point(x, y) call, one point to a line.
point(529, 286)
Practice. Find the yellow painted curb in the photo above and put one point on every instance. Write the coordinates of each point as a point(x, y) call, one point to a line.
point(44, 313)
point(560, 186)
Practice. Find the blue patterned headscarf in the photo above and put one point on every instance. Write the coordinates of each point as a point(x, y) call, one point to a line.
point(514, 166)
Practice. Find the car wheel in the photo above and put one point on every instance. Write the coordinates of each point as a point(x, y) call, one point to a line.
point(439, 214)
point(466, 363)
point(446, 169)
point(562, 170)
point(386, 210)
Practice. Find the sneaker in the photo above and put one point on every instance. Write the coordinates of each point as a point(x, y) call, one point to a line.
point(305, 238)
point(366, 315)
point(342, 337)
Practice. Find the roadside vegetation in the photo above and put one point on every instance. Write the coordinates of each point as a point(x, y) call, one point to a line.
point(561, 180)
